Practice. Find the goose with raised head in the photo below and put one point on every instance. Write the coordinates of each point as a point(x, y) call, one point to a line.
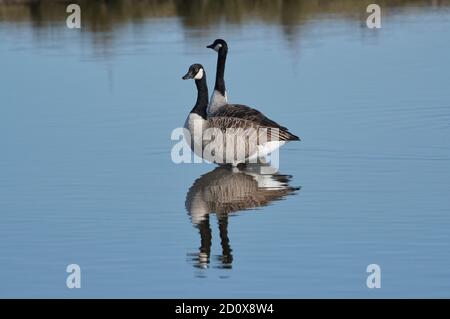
point(219, 105)
point(219, 95)
point(256, 135)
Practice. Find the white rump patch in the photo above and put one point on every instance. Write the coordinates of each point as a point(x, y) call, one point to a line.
point(269, 147)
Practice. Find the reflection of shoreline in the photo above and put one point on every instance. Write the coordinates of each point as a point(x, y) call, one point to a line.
point(225, 190)
point(101, 16)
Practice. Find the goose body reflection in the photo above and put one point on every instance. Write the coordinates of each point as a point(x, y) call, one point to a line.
point(226, 190)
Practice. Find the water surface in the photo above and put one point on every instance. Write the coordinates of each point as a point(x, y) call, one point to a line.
point(86, 175)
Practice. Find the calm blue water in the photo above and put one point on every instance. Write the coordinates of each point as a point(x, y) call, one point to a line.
point(86, 175)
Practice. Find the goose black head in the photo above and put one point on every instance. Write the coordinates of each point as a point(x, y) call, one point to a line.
point(195, 72)
point(218, 45)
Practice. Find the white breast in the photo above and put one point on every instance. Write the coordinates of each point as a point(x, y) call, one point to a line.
point(195, 125)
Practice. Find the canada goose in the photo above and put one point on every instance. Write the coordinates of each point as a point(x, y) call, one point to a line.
point(219, 96)
point(224, 191)
point(249, 134)
point(196, 119)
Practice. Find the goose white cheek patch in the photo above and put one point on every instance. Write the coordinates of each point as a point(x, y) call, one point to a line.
point(199, 75)
point(217, 47)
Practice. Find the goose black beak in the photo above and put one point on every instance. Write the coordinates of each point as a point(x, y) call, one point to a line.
point(187, 76)
point(210, 46)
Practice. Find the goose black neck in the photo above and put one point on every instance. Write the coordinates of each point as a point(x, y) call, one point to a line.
point(220, 73)
point(202, 97)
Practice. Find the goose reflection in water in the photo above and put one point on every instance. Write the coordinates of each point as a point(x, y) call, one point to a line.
point(226, 190)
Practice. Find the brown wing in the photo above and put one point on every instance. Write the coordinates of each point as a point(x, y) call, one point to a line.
point(243, 126)
point(246, 113)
